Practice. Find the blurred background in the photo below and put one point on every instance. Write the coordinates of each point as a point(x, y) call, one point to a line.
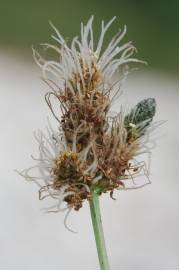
point(152, 25)
point(141, 226)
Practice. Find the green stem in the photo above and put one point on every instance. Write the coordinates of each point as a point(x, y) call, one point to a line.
point(98, 232)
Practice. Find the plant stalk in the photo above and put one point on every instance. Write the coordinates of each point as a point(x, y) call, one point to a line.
point(98, 231)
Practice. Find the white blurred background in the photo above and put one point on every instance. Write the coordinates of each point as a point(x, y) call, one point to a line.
point(141, 226)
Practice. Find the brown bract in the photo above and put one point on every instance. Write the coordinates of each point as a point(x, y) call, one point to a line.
point(86, 127)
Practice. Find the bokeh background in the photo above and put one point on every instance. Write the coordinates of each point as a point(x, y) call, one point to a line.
point(141, 226)
point(153, 25)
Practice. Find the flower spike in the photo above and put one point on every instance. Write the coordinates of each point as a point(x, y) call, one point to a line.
point(91, 151)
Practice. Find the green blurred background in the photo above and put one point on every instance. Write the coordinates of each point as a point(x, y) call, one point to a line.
point(152, 25)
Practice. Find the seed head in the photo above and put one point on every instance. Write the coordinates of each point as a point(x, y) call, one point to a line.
point(91, 151)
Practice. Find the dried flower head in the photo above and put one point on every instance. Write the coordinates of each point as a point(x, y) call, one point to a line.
point(91, 151)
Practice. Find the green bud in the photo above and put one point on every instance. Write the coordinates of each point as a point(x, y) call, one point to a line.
point(140, 117)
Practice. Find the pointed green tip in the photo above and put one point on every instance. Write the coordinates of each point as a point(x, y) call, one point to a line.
point(140, 118)
point(143, 111)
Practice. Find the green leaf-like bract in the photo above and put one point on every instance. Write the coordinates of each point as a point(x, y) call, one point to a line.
point(140, 116)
